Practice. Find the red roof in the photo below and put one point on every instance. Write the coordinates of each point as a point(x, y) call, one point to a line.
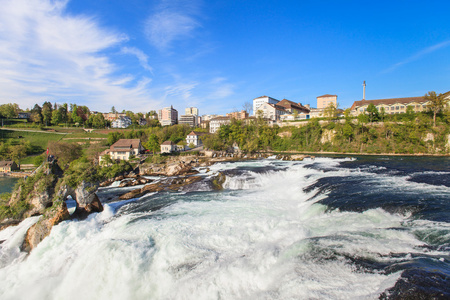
point(327, 95)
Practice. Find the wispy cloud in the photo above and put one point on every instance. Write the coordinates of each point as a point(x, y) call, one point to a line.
point(141, 56)
point(171, 23)
point(48, 54)
point(417, 56)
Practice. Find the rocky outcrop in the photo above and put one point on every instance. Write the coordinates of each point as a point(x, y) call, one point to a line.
point(328, 136)
point(42, 228)
point(169, 184)
point(293, 157)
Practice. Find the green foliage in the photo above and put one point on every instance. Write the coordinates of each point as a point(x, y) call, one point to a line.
point(64, 152)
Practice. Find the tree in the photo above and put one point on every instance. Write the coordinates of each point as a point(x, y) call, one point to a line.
point(348, 131)
point(248, 107)
point(435, 104)
point(153, 143)
point(372, 112)
point(113, 110)
point(56, 117)
point(9, 110)
point(330, 111)
point(382, 113)
point(64, 152)
point(47, 110)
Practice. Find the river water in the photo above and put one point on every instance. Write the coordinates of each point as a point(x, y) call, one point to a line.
point(328, 228)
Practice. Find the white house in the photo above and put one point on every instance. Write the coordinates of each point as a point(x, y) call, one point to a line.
point(271, 111)
point(123, 149)
point(216, 123)
point(257, 102)
point(168, 147)
point(121, 122)
point(194, 138)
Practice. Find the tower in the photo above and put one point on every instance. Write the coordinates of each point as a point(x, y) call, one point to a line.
point(364, 90)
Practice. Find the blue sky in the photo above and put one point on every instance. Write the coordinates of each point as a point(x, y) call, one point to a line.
point(216, 55)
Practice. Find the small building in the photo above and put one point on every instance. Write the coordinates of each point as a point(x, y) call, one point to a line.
point(142, 122)
point(195, 138)
point(325, 100)
point(238, 115)
point(292, 107)
point(23, 115)
point(123, 149)
point(168, 147)
point(7, 166)
point(121, 122)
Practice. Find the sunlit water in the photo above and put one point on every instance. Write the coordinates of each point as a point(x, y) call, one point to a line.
point(329, 228)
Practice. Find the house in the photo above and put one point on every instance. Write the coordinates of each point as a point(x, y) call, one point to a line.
point(271, 111)
point(23, 115)
point(121, 122)
point(393, 105)
point(123, 149)
point(168, 147)
point(195, 138)
point(8, 166)
point(292, 107)
point(257, 102)
point(238, 115)
point(216, 123)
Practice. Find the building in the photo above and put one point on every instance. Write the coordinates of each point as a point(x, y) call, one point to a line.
point(325, 100)
point(238, 115)
point(191, 111)
point(393, 105)
point(142, 121)
point(209, 117)
point(23, 115)
point(195, 138)
point(292, 107)
point(168, 116)
point(7, 166)
point(216, 123)
point(168, 147)
point(123, 149)
point(292, 117)
point(271, 111)
point(190, 120)
point(257, 102)
point(121, 122)
point(112, 116)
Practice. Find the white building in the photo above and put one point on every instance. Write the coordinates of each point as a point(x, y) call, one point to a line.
point(195, 138)
point(216, 123)
point(123, 149)
point(168, 147)
point(257, 102)
point(190, 120)
point(191, 111)
point(121, 122)
point(271, 111)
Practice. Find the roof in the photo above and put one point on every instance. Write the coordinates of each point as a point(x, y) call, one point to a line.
point(276, 106)
point(126, 143)
point(327, 95)
point(389, 101)
point(168, 143)
point(290, 104)
point(197, 133)
point(220, 119)
point(6, 163)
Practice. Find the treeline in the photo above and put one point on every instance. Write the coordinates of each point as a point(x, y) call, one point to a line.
point(70, 115)
point(402, 133)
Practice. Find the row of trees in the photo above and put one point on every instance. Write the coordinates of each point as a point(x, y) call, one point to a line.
point(70, 114)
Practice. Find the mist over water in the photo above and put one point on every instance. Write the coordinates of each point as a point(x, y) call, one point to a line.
point(329, 228)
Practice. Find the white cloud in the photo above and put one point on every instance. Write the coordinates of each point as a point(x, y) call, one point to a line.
point(170, 23)
point(48, 54)
point(417, 56)
point(141, 56)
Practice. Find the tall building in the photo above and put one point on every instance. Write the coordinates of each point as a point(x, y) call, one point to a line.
point(190, 120)
point(257, 102)
point(325, 100)
point(193, 111)
point(168, 116)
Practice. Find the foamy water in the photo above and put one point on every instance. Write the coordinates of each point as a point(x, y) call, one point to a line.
point(262, 237)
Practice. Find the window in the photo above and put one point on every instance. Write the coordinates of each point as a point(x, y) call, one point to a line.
point(397, 108)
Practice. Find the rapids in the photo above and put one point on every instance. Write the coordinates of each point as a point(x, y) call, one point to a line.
point(329, 228)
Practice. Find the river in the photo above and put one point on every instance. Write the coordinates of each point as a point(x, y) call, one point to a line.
point(7, 184)
point(324, 228)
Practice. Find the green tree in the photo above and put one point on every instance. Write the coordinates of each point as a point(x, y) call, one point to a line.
point(372, 112)
point(56, 117)
point(330, 111)
point(9, 110)
point(153, 143)
point(435, 104)
point(47, 110)
point(64, 152)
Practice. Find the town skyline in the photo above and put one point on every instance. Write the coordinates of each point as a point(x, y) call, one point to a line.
point(143, 56)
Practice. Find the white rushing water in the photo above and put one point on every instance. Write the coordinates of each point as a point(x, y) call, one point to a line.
point(260, 238)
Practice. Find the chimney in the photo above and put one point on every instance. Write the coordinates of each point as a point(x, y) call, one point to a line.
point(364, 90)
